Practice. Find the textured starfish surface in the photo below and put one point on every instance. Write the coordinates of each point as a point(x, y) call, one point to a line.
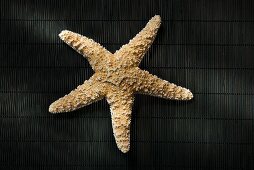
point(117, 78)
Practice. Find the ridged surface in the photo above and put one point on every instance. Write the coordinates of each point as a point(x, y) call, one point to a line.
point(206, 46)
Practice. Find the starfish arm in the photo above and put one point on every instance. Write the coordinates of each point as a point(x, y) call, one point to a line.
point(121, 107)
point(85, 94)
point(154, 86)
point(134, 51)
point(95, 53)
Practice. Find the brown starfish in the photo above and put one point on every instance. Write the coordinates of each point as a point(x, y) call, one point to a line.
point(117, 77)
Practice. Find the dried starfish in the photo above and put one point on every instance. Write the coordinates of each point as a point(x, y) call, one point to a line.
point(117, 77)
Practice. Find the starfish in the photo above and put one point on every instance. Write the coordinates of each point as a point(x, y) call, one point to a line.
point(117, 77)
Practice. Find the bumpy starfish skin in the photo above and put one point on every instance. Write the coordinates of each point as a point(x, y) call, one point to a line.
point(117, 77)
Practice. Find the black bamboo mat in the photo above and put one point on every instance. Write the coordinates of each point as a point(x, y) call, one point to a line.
point(204, 45)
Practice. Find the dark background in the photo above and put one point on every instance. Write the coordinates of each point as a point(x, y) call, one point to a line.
point(206, 46)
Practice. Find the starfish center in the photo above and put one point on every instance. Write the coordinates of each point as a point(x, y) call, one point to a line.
point(117, 76)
